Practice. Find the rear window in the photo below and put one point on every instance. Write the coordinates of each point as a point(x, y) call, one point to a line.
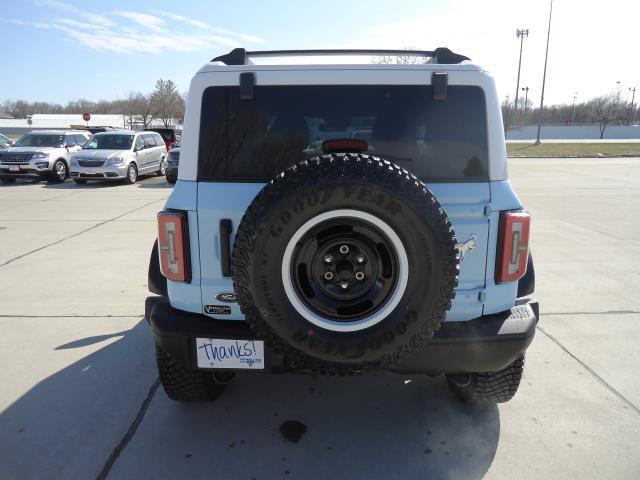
point(253, 140)
point(168, 135)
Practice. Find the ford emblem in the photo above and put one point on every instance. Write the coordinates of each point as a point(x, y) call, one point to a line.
point(227, 297)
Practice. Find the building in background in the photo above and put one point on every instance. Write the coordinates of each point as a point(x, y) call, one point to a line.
point(19, 126)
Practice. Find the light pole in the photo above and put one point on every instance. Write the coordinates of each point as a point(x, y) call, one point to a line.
point(573, 108)
point(526, 98)
point(521, 34)
point(633, 98)
point(618, 83)
point(544, 75)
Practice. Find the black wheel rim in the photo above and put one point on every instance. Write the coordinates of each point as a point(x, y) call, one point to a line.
point(344, 269)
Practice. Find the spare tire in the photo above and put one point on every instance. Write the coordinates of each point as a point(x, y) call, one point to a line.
point(345, 263)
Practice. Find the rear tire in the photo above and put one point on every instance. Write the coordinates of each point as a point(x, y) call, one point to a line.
point(171, 179)
point(181, 384)
point(488, 387)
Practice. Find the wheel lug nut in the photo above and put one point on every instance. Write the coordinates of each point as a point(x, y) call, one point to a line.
point(327, 259)
point(328, 275)
point(344, 285)
point(344, 249)
point(360, 258)
point(359, 276)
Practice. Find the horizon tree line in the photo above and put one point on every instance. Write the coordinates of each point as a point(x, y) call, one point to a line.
point(164, 103)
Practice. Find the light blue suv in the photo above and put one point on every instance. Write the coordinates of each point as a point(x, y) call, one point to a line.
point(342, 219)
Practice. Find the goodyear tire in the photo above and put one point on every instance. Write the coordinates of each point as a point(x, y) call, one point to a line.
point(345, 263)
point(488, 387)
point(181, 384)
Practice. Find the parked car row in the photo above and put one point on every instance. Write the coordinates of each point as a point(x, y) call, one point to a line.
point(55, 155)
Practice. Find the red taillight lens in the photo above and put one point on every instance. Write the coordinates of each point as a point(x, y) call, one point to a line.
point(173, 245)
point(344, 145)
point(513, 246)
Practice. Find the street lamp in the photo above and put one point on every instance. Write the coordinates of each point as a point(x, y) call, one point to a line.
point(526, 98)
point(633, 98)
point(544, 76)
point(521, 34)
point(573, 108)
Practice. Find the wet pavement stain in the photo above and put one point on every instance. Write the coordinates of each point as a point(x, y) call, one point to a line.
point(293, 430)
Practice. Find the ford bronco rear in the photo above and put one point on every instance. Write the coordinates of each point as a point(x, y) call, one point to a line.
point(342, 219)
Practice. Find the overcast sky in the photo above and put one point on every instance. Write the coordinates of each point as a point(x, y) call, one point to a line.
point(62, 50)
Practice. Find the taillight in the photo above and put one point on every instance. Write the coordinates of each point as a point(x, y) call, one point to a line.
point(344, 145)
point(513, 246)
point(173, 243)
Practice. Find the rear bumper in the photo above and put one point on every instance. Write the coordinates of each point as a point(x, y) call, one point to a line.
point(483, 344)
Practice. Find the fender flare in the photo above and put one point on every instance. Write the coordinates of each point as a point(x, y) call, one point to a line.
point(156, 281)
point(527, 284)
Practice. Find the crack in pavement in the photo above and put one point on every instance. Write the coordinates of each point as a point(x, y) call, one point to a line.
point(608, 312)
point(71, 315)
point(122, 444)
point(590, 370)
point(77, 234)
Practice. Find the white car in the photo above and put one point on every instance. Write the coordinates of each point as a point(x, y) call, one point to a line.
point(119, 155)
point(42, 154)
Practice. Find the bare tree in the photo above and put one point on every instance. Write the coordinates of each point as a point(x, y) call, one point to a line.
point(401, 59)
point(508, 115)
point(146, 113)
point(605, 110)
point(166, 102)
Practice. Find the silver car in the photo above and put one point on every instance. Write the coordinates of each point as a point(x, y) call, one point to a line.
point(119, 155)
point(42, 154)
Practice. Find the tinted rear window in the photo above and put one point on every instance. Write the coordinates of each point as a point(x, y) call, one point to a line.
point(253, 140)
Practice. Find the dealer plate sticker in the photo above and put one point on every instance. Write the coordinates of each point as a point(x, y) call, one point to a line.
point(236, 354)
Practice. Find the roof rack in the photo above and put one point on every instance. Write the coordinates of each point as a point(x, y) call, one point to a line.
point(239, 56)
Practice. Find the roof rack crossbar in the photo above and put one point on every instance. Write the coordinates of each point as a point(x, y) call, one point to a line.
point(239, 56)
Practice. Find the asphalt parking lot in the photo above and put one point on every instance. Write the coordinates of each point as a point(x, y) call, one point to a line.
point(79, 396)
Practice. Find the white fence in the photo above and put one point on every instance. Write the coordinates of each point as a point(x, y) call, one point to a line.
point(573, 132)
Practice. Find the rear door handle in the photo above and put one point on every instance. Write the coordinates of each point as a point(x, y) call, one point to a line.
point(225, 246)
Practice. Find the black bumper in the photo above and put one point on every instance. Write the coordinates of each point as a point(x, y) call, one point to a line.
point(483, 344)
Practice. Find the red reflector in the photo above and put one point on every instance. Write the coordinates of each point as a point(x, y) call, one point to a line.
point(348, 145)
point(173, 245)
point(513, 246)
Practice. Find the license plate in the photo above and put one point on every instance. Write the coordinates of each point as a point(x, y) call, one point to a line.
point(90, 171)
point(234, 354)
point(14, 168)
